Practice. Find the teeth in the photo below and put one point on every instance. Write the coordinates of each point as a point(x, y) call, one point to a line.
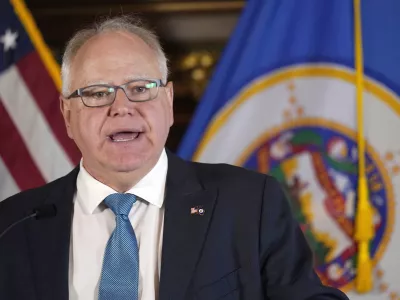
point(124, 136)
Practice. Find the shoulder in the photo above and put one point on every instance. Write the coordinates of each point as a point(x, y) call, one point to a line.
point(19, 204)
point(236, 177)
point(20, 199)
point(220, 175)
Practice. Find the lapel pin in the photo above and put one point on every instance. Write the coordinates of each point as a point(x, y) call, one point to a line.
point(197, 210)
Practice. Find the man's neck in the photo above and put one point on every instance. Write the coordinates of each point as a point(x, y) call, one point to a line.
point(118, 181)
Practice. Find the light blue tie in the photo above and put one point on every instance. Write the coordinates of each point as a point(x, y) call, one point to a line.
point(120, 273)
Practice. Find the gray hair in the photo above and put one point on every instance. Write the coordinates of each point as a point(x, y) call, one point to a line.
point(124, 23)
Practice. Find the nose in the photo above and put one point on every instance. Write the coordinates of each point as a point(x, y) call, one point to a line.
point(121, 105)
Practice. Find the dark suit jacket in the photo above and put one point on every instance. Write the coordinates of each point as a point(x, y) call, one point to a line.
point(245, 246)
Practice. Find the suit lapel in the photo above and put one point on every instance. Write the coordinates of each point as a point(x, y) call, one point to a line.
point(49, 242)
point(184, 231)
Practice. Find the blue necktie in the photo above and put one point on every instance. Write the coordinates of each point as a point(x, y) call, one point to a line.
point(120, 272)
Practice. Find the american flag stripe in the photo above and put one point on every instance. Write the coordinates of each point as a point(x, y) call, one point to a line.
point(48, 154)
point(8, 186)
point(44, 92)
point(16, 156)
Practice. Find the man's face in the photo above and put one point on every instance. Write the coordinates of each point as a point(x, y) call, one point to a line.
point(125, 136)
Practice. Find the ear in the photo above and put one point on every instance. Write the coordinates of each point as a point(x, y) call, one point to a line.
point(169, 90)
point(65, 107)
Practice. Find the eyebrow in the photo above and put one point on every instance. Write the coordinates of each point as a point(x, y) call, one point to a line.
point(138, 77)
point(94, 82)
point(126, 79)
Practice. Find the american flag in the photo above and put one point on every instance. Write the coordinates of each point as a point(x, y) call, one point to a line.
point(35, 148)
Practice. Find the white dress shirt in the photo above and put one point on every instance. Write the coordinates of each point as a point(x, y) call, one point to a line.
point(93, 223)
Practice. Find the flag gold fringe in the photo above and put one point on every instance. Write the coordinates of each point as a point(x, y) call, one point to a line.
point(364, 230)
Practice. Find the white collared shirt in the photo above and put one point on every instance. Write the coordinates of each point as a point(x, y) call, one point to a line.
point(93, 223)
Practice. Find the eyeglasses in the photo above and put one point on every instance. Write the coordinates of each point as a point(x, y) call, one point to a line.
point(139, 90)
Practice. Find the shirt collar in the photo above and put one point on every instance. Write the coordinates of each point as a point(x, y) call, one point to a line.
point(150, 188)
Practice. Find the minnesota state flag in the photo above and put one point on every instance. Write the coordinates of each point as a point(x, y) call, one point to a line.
point(298, 90)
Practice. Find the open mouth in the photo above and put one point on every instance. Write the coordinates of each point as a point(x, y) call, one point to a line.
point(124, 136)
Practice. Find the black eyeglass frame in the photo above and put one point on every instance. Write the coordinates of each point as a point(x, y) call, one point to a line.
point(78, 93)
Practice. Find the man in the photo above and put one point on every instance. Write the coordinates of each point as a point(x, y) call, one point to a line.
point(136, 222)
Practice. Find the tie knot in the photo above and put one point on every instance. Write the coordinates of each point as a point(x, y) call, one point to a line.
point(120, 204)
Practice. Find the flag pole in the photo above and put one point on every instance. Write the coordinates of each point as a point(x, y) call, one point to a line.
point(364, 230)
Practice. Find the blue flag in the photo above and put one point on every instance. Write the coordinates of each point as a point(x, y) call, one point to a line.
point(282, 101)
